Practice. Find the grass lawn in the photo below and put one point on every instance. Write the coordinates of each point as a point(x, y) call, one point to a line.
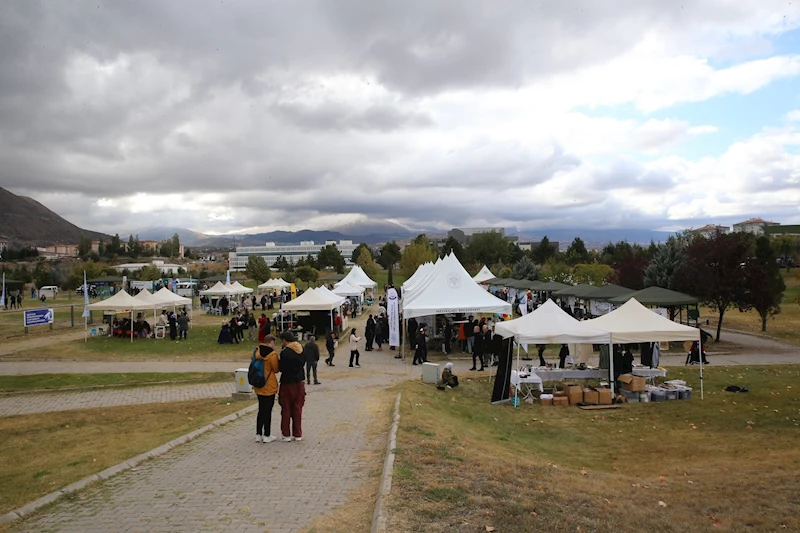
point(726, 463)
point(61, 382)
point(70, 445)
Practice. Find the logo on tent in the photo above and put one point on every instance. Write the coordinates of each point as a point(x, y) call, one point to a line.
point(454, 280)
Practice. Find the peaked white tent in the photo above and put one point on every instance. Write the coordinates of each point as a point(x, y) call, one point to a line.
point(121, 301)
point(450, 289)
point(314, 300)
point(633, 322)
point(359, 278)
point(483, 275)
point(549, 324)
point(348, 289)
point(273, 283)
point(219, 289)
point(172, 298)
point(241, 288)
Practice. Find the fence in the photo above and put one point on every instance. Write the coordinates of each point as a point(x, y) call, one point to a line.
point(65, 317)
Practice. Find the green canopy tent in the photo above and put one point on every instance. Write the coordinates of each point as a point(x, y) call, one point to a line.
point(576, 291)
point(551, 286)
point(105, 279)
point(606, 292)
point(659, 297)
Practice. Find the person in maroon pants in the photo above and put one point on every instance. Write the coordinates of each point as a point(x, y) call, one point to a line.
point(292, 393)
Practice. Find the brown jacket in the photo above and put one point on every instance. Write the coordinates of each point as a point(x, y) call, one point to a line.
point(270, 369)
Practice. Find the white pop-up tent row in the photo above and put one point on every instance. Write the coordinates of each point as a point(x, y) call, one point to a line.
point(144, 301)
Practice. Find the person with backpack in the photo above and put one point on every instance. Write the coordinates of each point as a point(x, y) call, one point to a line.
point(266, 355)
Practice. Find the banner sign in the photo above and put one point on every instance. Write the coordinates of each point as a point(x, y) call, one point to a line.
point(38, 317)
point(392, 313)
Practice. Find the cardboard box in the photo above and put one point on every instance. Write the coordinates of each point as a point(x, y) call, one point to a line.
point(604, 396)
point(632, 383)
point(558, 393)
point(546, 401)
point(590, 396)
point(574, 393)
point(561, 401)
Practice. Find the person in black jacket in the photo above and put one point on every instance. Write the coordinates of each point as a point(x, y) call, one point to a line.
point(330, 344)
point(173, 325)
point(420, 348)
point(311, 353)
point(488, 345)
point(477, 347)
point(292, 392)
point(369, 333)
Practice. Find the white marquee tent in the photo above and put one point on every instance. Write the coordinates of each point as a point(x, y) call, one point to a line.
point(121, 301)
point(359, 278)
point(241, 288)
point(273, 283)
point(219, 289)
point(549, 324)
point(314, 300)
point(348, 289)
point(483, 275)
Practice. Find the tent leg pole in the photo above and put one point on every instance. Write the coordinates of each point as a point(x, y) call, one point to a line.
point(700, 353)
point(611, 367)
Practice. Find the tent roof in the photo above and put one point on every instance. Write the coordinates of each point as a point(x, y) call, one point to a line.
point(576, 290)
point(170, 297)
point(549, 286)
point(120, 301)
point(347, 289)
point(106, 279)
point(549, 324)
point(150, 299)
point(219, 289)
point(273, 283)
point(657, 296)
point(607, 291)
point(633, 322)
point(452, 290)
point(357, 276)
point(313, 300)
point(483, 275)
point(519, 283)
point(241, 288)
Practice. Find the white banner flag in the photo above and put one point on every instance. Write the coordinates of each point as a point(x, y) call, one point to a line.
point(392, 313)
point(523, 305)
point(85, 297)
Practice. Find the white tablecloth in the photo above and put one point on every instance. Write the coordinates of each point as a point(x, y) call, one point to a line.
point(562, 373)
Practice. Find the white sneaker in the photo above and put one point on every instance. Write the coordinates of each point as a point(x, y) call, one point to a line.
point(258, 438)
point(298, 439)
point(286, 439)
point(271, 438)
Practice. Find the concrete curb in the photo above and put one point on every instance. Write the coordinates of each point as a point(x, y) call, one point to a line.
point(25, 510)
point(378, 517)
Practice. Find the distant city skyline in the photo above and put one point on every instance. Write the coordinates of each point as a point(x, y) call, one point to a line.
point(255, 116)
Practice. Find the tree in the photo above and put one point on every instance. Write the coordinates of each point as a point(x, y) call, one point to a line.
point(525, 268)
point(367, 263)
point(765, 285)
point(629, 271)
point(257, 269)
point(787, 245)
point(489, 248)
point(505, 272)
point(576, 253)
point(667, 260)
point(451, 245)
point(307, 274)
point(420, 251)
point(149, 273)
point(592, 273)
point(544, 251)
point(554, 270)
point(134, 246)
point(84, 246)
point(713, 271)
point(42, 275)
point(390, 255)
point(330, 256)
point(281, 264)
point(357, 252)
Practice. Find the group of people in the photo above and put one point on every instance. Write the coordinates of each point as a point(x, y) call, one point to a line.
point(376, 331)
point(295, 364)
point(176, 323)
point(13, 301)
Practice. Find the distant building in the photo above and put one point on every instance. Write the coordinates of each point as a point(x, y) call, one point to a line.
point(790, 229)
point(755, 226)
point(463, 235)
point(58, 250)
point(710, 230)
point(529, 246)
point(166, 268)
point(291, 252)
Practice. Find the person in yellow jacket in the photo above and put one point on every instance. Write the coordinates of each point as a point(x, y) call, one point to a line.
point(266, 394)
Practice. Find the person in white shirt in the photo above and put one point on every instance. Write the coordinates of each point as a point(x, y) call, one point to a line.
point(354, 347)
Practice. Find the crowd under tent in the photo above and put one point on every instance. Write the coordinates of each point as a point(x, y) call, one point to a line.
point(483, 275)
point(316, 300)
point(120, 302)
point(634, 323)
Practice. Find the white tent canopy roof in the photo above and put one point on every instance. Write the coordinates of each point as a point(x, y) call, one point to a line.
point(172, 298)
point(152, 300)
point(314, 300)
point(120, 301)
point(219, 289)
point(348, 289)
point(549, 324)
point(452, 290)
point(358, 277)
point(633, 322)
point(241, 288)
point(274, 284)
point(483, 275)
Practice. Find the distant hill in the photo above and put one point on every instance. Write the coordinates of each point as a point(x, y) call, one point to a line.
point(371, 226)
point(26, 222)
point(188, 237)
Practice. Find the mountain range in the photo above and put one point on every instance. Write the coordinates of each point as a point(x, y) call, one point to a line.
point(26, 222)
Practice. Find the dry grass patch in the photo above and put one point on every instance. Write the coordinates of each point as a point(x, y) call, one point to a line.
point(43, 452)
point(727, 463)
point(67, 382)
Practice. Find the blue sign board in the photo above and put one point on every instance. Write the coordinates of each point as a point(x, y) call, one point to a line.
point(38, 317)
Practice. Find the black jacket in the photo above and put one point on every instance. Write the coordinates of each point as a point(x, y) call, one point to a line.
point(311, 352)
point(292, 363)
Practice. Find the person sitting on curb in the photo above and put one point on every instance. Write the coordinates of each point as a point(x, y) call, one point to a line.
point(448, 379)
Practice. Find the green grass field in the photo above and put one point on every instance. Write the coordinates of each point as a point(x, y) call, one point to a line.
point(61, 382)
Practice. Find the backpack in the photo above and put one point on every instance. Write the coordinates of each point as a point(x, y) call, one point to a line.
point(255, 374)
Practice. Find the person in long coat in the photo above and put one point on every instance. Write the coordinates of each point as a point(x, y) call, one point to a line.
point(420, 348)
point(173, 325)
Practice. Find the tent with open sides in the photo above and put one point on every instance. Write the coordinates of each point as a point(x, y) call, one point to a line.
point(276, 284)
point(121, 301)
point(633, 322)
point(348, 290)
point(219, 289)
point(483, 275)
point(319, 299)
point(359, 278)
point(241, 288)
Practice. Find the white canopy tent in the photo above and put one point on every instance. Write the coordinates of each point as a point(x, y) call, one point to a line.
point(359, 278)
point(241, 288)
point(219, 289)
point(121, 301)
point(549, 324)
point(633, 322)
point(173, 299)
point(348, 289)
point(314, 300)
point(483, 275)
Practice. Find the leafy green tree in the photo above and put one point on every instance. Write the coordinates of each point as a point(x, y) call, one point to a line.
point(134, 246)
point(577, 253)
point(42, 274)
point(554, 270)
point(418, 252)
point(330, 256)
point(668, 259)
point(504, 272)
point(592, 273)
point(765, 286)
point(149, 273)
point(544, 251)
point(390, 255)
point(307, 274)
point(281, 264)
point(357, 252)
point(489, 248)
point(367, 263)
point(525, 268)
point(714, 271)
point(787, 246)
point(451, 245)
point(84, 246)
point(257, 269)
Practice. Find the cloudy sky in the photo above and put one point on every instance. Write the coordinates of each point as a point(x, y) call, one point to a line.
point(256, 115)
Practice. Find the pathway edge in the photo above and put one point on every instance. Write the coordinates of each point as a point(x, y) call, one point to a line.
point(379, 517)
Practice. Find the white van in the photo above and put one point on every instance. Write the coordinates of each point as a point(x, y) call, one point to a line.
point(50, 291)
